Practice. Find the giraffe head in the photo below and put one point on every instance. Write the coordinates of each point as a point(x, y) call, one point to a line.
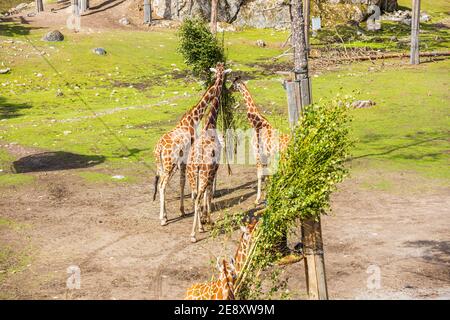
point(219, 69)
point(227, 270)
point(248, 229)
point(237, 84)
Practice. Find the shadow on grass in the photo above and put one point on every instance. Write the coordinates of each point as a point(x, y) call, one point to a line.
point(10, 110)
point(10, 28)
point(53, 161)
point(406, 146)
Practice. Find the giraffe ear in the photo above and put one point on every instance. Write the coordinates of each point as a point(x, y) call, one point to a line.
point(227, 71)
point(218, 265)
point(213, 70)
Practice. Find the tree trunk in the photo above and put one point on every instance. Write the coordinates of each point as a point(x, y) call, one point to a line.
point(415, 26)
point(39, 6)
point(214, 15)
point(84, 5)
point(147, 12)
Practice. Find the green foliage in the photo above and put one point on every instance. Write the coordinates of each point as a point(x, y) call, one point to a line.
point(307, 174)
point(201, 49)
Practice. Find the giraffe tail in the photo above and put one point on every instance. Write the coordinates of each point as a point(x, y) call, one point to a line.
point(156, 187)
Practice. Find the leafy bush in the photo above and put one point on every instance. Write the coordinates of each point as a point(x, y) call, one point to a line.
point(307, 174)
point(201, 49)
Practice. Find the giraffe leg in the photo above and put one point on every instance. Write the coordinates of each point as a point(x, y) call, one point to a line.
point(162, 199)
point(204, 207)
point(260, 176)
point(196, 223)
point(182, 184)
point(214, 188)
point(208, 207)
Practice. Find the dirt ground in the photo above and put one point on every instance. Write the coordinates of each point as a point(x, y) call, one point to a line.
point(111, 232)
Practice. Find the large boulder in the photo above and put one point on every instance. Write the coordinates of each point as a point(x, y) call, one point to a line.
point(54, 35)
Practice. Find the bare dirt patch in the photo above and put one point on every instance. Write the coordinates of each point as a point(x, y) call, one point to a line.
point(112, 233)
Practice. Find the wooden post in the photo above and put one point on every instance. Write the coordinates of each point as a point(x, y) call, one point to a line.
point(39, 6)
point(311, 228)
point(316, 281)
point(214, 15)
point(415, 27)
point(306, 13)
point(147, 12)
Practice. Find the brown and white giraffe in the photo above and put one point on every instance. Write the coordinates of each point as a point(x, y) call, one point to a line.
point(244, 245)
point(222, 289)
point(266, 141)
point(203, 160)
point(172, 149)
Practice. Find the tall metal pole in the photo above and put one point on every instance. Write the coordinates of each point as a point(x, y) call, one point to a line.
point(311, 228)
point(415, 27)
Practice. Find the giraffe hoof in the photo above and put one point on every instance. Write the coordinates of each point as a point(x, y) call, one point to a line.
point(164, 222)
point(193, 240)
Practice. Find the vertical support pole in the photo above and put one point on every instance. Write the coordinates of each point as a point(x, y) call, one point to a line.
point(76, 7)
point(306, 14)
point(293, 111)
point(316, 283)
point(214, 16)
point(147, 12)
point(415, 27)
point(311, 228)
point(84, 5)
point(39, 6)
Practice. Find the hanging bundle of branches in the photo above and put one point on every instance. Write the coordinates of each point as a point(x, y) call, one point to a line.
point(202, 50)
point(307, 175)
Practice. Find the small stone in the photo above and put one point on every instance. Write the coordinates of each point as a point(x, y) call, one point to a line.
point(59, 93)
point(54, 35)
point(260, 43)
point(359, 104)
point(99, 51)
point(118, 177)
point(5, 71)
point(124, 21)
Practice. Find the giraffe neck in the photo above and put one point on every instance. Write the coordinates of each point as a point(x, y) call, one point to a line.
point(241, 252)
point(212, 117)
point(255, 118)
point(195, 115)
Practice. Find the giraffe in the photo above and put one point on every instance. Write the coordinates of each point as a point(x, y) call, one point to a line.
point(173, 147)
point(266, 142)
point(222, 289)
point(244, 244)
point(203, 160)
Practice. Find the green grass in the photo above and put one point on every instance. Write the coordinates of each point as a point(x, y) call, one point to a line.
point(406, 130)
point(8, 180)
point(5, 5)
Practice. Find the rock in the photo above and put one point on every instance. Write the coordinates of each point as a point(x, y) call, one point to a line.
point(59, 93)
point(54, 35)
point(260, 43)
point(5, 71)
point(124, 21)
point(118, 177)
point(21, 7)
point(407, 21)
point(31, 14)
point(424, 17)
point(99, 51)
point(358, 104)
